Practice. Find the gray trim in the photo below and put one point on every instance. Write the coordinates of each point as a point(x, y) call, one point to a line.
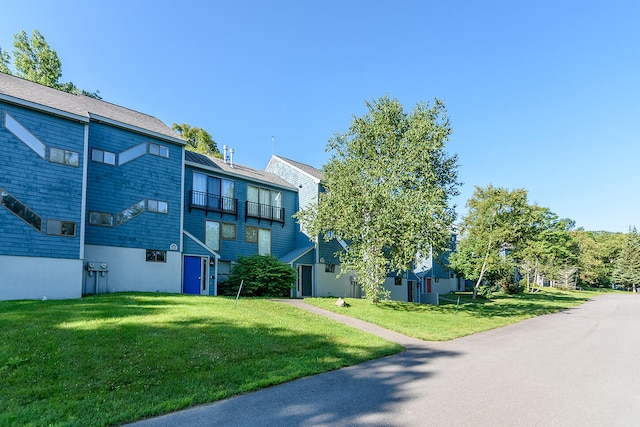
point(33, 106)
point(115, 123)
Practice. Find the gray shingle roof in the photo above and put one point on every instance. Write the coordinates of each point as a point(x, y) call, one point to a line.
point(82, 106)
point(310, 170)
point(218, 165)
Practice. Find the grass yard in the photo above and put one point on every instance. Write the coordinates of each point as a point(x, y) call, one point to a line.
point(112, 359)
point(440, 323)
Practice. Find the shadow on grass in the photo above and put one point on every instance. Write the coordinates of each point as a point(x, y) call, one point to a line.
point(110, 359)
point(499, 306)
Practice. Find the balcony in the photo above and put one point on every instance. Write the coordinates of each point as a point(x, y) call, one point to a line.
point(212, 203)
point(264, 212)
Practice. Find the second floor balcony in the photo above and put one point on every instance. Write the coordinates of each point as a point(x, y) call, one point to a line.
point(212, 203)
point(264, 211)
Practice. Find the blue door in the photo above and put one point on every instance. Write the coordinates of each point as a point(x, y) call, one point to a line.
point(191, 277)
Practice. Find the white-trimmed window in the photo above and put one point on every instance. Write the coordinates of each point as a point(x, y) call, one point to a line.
point(212, 235)
point(158, 150)
point(157, 206)
point(102, 156)
point(64, 157)
point(132, 153)
point(101, 218)
point(61, 228)
point(24, 135)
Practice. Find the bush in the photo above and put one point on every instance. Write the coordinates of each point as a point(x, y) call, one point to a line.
point(264, 276)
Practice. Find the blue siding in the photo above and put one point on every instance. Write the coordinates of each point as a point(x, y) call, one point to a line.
point(328, 249)
point(283, 238)
point(111, 189)
point(308, 258)
point(52, 190)
point(192, 248)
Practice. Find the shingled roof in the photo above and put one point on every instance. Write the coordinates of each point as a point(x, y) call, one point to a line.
point(16, 90)
point(309, 170)
point(219, 166)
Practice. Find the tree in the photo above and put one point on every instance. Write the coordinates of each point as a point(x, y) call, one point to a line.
point(627, 266)
point(387, 188)
point(597, 253)
point(497, 221)
point(5, 62)
point(198, 139)
point(549, 252)
point(36, 61)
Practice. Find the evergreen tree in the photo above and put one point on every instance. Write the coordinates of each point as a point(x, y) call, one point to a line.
point(627, 266)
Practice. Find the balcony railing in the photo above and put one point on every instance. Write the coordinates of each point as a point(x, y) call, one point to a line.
point(212, 203)
point(262, 211)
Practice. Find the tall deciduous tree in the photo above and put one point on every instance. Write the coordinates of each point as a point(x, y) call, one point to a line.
point(198, 139)
point(627, 266)
point(497, 221)
point(387, 190)
point(36, 61)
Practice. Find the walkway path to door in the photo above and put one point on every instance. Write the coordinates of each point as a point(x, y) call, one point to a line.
point(579, 367)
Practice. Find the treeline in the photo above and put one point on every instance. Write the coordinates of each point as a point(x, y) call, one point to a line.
point(507, 242)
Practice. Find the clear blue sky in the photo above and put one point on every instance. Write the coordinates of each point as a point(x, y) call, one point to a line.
point(542, 95)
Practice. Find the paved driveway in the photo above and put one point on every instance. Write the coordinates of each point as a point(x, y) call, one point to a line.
point(580, 367)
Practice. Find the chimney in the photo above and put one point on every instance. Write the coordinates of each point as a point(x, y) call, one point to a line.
point(224, 153)
point(231, 157)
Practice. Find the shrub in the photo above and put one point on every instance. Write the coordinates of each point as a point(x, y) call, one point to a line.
point(264, 276)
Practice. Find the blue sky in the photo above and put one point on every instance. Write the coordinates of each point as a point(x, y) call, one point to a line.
point(542, 95)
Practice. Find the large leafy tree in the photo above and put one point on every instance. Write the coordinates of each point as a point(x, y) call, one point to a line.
point(627, 265)
point(497, 222)
point(597, 254)
point(549, 250)
point(36, 61)
point(387, 188)
point(198, 139)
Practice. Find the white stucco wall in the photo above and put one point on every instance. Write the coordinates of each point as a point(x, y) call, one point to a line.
point(444, 286)
point(330, 285)
point(129, 270)
point(35, 278)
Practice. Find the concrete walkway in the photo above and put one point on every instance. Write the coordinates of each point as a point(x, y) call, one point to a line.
point(580, 367)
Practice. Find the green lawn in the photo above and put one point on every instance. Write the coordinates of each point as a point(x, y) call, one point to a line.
point(444, 322)
point(111, 359)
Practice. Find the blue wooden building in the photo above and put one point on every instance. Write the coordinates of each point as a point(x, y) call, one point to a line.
point(90, 196)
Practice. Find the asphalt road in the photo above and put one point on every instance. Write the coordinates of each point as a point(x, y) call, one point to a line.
point(580, 367)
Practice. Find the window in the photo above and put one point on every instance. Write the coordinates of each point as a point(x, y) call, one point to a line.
point(61, 228)
point(20, 209)
point(329, 268)
point(155, 255)
point(132, 153)
point(157, 206)
point(264, 203)
point(261, 236)
point(264, 241)
point(130, 212)
point(101, 218)
point(213, 193)
point(251, 235)
point(398, 281)
point(102, 156)
point(158, 150)
point(24, 135)
point(64, 157)
point(228, 231)
point(212, 235)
